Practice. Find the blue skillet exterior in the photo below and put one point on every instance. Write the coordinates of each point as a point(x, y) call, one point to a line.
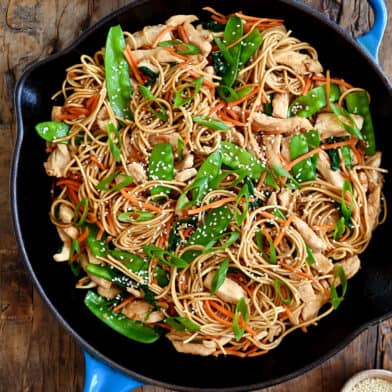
point(370, 293)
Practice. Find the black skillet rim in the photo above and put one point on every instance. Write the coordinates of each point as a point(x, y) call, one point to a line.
point(15, 215)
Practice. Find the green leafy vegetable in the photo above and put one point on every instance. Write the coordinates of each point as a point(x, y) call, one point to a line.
point(285, 296)
point(212, 123)
point(53, 130)
point(219, 276)
point(149, 96)
point(241, 310)
point(114, 140)
point(335, 297)
point(179, 100)
point(164, 256)
point(135, 216)
point(181, 324)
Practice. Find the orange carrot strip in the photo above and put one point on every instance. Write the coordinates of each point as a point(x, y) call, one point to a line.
point(69, 183)
point(350, 141)
point(110, 221)
point(133, 64)
point(257, 353)
point(72, 194)
point(214, 12)
point(101, 230)
point(97, 162)
point(76, 110)
point(307, 87)
point(309, 154)
point(123, 304)
point(182, 34)
point(341, 82)
point(236, 353)
point(243, 99)
point(216, 108)
point(206, 82)
point(299, 273)
point(139, 203)
point(82, 237)
point(92, 102)
point(232, 114)
point(327, 87)
point(67, 116)
point(218, 19)
point(214, 204)
point(162, 34)
point(173, 53)
point(231, 120)
point(282, 232)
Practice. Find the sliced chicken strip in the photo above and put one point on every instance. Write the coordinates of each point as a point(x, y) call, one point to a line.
point(138, 173)
point(280, 105)
point(230, 291)
point(323, 264)
point(148, 35)
point(186, 174)
point(66, 213)
point(181, 19)
point(272, 200)
point(196, 346)
point(272, 148)
point(311, 308)
point(197, 37)
point(329, 125)
point(305, 290)
point(262, 122)
point(65, 252)
point(58, 161)
point(285, 197)
point(310, 237)
point(186, 163)
point(160, 54)
point(142, 311)
point(108, 293)
point(324, 167)
point(299, 62)
point(351, 266)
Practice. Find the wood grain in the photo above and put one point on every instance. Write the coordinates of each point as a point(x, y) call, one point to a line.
point(35, 352)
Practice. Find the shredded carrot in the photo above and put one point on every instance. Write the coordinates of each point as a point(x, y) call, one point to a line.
point(307, 86)
point(67, 116)
point(214, 12)
point(123, 304)
point(216, 108)
point(282, 232)
point(97, 162)
point(243, 99)
point(101, 230)
point(206, 82)
point(358, 153)
point(257, 353)
point(109, 218)
point(268, 215)
point(309, 154)
point(226, 312)
point(182, 34)
point(261, 181)
point(350, 141)
point(76, 110)
point(226, 118)
point(138, 203)
point(234, 352)
point(72, 194)
point(219, 19)
point(161, 34)
point(256, 19)
point(163, 325)
point(82, 237)
point(341, 82)
point(69, 183)
point(328, 87)
point(232, 114)
point(133, 64)
point(92, 102)
point(91, 217)
point(214, 204)
point(175, 54)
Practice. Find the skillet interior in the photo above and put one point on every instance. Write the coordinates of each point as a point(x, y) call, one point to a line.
point(369, 295)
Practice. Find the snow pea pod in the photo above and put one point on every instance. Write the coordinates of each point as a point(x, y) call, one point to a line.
point(132, 329)
point(97, 247)
point(358, 103)
point(214, 225)
point(313, 101)
point(53, 130)
point(130, 261)
point(105, 272)
point(118, 82)
point(211, 123)
point(161, 167)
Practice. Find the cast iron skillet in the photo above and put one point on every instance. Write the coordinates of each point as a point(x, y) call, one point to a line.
point(369, 297)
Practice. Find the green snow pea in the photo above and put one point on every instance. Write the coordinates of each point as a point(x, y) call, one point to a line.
point(132, 329)
point(212, 123)
point(313, 101)
point(118, 82)
point(161, 167)
point(53, 130)
point(358, 103)
point(149, 96)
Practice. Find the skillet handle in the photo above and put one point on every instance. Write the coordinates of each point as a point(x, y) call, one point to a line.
point(371, 40)
point(100, 377)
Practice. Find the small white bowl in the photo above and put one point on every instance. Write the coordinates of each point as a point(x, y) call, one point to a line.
point(364, 375)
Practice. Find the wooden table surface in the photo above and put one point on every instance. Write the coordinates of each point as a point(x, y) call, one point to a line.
point(36, 354)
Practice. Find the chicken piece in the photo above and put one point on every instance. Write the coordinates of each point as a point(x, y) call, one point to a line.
point(272, 200)
point(324, 167)
point(142, 311)
point(272, 148)
point(235, 137)
point(138, 173)
point(311, 308)
point(310, 237)
point(149, 34)
point(56, 111)
point(374, 206)
point(230, 291)
point(262, 122)
point(71, 231)
point(186, 163)
point(305, 290)
point(198, 38)
point(177, 20)
point(103, 119)
point(65, 252)
point(57, 162)
point(148, 64)
point(351, 266)
point(160, 54)
point(323, 264)
point(285, 197)
point(186, 174)
point(294, 316)
point(108, 293)
point(106, 284)
point(285, 149)
point(136, 293)
point(196, 346)
point(363, 180)
point(280, 105)
point(66, 213)
point(329, 125)
point(299, 62)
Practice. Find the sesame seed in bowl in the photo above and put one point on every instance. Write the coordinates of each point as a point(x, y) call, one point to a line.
point(372, 380)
